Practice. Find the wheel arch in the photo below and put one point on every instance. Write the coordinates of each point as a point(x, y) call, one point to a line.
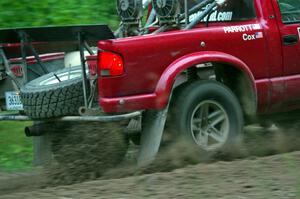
point(222, 64)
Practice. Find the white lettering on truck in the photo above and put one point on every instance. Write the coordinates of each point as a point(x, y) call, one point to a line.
point(242, 28)
point(250, 37)
point(215, 16)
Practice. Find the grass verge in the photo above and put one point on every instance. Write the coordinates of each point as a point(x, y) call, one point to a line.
point(15, 149)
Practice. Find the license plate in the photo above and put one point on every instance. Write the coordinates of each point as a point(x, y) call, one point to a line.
point(13, 101)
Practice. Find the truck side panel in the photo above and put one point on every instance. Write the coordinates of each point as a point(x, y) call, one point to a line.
point(256, 43)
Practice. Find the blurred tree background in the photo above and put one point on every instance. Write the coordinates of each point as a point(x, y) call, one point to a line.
point(28, 13)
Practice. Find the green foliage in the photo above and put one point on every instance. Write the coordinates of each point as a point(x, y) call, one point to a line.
point(28, 13)
point(15, 148)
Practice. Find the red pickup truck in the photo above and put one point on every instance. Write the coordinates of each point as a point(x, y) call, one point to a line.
point(242, 63)
point(206, 67)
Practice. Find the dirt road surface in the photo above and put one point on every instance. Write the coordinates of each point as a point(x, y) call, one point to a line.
point(247, 176)
point(269, 177)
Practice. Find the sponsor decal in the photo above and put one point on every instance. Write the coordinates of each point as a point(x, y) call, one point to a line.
point(259, 35)
point(242, 28)
point(215, 16)
point(250, 37)
point(256, 26)
point(298, 32)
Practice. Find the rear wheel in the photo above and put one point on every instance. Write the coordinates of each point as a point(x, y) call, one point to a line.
point(208, 115)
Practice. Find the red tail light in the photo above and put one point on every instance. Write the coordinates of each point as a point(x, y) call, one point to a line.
point(17, 70)
point(110, 64)
point(92, 64)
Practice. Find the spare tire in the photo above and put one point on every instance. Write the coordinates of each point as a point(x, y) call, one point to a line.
point(55, 94)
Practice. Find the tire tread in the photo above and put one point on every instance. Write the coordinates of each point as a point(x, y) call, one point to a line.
point(51, 102)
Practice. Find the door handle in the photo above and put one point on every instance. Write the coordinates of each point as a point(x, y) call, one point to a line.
point(290, 40)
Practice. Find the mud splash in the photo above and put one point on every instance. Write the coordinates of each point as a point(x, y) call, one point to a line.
point(257, 142)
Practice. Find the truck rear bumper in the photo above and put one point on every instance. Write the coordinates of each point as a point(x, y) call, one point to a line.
point(131, 103)
point(102, 118)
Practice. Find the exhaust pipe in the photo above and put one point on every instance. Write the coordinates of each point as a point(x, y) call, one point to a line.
point(34, 130)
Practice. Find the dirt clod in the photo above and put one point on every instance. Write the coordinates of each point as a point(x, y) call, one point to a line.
point(85, 151)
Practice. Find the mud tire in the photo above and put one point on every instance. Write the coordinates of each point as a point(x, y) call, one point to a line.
point(190, 96)
point(52, 100)
point(84, 151)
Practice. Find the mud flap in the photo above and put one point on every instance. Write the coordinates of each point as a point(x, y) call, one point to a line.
point(153, 127)
point(42, 153)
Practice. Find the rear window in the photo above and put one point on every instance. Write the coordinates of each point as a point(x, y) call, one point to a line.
point(233, 10)
point(290, 10)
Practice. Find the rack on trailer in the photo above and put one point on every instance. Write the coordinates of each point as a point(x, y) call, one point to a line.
point(39, 40)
